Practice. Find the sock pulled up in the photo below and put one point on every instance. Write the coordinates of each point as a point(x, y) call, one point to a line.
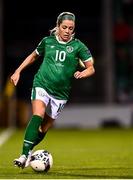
point(31, 134)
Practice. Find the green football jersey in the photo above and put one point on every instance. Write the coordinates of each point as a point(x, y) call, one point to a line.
point(60, 61)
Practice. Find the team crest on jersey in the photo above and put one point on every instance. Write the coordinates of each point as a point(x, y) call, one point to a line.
point(69, 49)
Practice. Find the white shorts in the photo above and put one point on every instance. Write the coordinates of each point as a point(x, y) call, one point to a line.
point(53, 106)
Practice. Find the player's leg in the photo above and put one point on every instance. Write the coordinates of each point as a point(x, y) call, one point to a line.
point(37, 128)
point(53, 109)
point(40, 100)
point(42, 130)
point(44, 127)
point(31, 133)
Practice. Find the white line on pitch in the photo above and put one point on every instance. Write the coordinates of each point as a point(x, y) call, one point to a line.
point(4, 136)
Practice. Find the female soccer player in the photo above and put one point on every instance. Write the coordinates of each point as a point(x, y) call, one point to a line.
point(61, 52)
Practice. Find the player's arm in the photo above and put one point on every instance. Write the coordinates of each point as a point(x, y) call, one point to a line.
point(28, 61)
point(88, 70)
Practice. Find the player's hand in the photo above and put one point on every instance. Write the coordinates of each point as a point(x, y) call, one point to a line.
point(77, 74)
point(15, 78)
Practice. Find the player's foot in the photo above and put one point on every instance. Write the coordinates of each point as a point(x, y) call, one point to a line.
point(21, 161)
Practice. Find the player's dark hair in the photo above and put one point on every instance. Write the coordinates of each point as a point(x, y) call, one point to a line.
point(63, 16)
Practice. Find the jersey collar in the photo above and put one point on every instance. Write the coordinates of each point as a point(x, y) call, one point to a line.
point(62, 42)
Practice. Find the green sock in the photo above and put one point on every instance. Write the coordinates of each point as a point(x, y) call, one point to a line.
point(31, 134)
point(41, 135)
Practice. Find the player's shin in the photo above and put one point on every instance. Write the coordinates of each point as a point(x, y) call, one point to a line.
point(31, 134)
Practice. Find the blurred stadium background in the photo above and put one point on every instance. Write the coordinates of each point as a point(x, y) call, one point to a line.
point(104, 99)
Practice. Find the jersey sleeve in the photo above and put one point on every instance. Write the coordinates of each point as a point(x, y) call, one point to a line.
point(41, 47)
point(84, 53)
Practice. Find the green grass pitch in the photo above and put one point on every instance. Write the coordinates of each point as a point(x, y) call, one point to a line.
point(77, 154)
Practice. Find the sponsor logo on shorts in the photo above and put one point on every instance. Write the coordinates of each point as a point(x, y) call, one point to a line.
point(41, 93)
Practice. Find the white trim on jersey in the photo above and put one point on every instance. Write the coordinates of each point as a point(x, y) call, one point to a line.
point(62, 42)
point(37, 52)
point(89, 59)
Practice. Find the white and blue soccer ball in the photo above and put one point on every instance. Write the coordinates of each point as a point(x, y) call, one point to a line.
point(41, 160)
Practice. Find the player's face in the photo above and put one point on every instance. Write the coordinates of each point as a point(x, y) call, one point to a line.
point(66, 29)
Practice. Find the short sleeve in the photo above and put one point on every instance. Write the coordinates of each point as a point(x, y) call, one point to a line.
point(41, 47)
point(84, 53)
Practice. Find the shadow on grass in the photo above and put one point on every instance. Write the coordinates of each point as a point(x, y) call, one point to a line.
point(87, 173)
point(95, 173)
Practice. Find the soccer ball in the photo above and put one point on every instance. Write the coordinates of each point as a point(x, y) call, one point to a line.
point(41, 160)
